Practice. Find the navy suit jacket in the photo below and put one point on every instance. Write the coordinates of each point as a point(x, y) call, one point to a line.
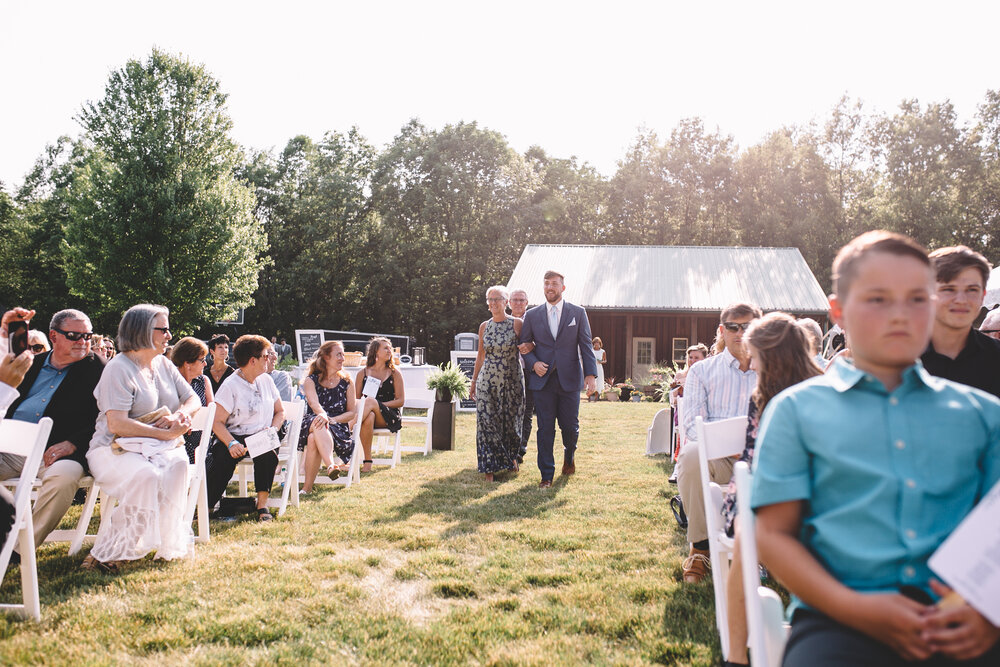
point(571, 353)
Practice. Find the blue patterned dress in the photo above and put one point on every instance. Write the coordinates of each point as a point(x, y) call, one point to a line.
point(334, 401)
point(499, 399)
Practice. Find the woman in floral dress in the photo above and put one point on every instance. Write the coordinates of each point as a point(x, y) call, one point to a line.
point(498, 388)
point(331, 408)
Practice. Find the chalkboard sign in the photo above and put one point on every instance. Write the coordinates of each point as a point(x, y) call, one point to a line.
point(467, 362)
point(309, 342)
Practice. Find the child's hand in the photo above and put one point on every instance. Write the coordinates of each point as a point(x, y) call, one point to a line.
point(898, 621)
point(961, 633)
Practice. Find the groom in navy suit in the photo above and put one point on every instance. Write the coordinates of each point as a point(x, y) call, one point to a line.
point(562, 362)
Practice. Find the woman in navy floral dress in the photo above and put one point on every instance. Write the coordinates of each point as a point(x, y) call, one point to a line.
point(331, 405)
point(498, 388)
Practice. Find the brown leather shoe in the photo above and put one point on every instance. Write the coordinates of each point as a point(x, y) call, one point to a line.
point(569, 468)
point(545, 484)
point(696, 566)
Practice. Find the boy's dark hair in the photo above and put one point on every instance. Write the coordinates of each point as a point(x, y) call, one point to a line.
point(738, 310)
point(248, 347)
point(845, 265)
point(949, 262)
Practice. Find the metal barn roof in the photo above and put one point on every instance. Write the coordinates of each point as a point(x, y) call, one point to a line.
point(673, 278)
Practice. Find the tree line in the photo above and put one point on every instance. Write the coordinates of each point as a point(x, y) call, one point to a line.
point(154, 201)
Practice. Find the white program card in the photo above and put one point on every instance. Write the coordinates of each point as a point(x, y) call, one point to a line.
point(969, 560)
point(371, 387)
point(262, 442)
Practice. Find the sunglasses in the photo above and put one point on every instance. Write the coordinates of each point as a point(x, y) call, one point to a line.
point(75, 335)
point(736, 326)
point(37, 349)
point(165, 330)
point(989, 331)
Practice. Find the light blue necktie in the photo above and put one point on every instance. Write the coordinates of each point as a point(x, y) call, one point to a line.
point(554, 321)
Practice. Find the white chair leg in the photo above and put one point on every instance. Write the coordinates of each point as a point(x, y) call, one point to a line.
point(203, 533)
point(396, 451)
point(243, 480)
point(29, 572)
point(84, 522)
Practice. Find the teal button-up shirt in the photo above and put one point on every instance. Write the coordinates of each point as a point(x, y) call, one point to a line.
point(887, 475)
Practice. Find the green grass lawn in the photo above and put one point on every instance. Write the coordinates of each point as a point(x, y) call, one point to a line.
point(424, 564)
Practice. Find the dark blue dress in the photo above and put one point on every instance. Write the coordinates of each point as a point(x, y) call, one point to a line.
point(334, 401)
point(499, 399)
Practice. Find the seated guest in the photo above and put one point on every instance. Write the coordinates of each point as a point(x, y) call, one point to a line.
point(37, 342)
point(218, 347)
point(815, 333)
point(189, 356)
point(957, 351)
point(991, 324)
point(60, 384)
point(246, 404)
point(384, 410)
point(781, 354)
point(282, 380)
point(137, 453)
point(860, 474)
point(331, 404)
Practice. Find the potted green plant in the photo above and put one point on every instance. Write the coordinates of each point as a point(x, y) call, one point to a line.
point(448, 381)
point(626, 388)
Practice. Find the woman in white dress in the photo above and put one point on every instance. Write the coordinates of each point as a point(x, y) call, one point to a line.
point(146, 468)
point(602, 359)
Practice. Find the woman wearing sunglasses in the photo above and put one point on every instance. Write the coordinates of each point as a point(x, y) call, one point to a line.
point(37, 342)
point(137, 452)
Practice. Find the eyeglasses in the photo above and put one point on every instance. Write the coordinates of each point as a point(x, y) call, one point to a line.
point(494, 299)
point(38, 349)
point(989, 331)
point(75, 335)
point(165, 330)
point(203, 360)
point(736, 326)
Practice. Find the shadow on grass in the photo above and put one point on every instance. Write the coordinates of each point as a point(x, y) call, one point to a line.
point(458, 498)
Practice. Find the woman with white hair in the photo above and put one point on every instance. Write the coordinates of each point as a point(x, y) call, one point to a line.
point(137, 453)
point(498, 388)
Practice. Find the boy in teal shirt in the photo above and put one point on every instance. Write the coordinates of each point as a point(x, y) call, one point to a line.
point(862, 473)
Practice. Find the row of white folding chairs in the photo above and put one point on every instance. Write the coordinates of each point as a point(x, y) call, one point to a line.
point(765, 622)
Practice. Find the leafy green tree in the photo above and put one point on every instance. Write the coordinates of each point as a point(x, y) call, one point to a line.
point(567, 205)
point(313, 200)
point(156, 213)
point(786, 198)
point(927, 163)
point(449, 202)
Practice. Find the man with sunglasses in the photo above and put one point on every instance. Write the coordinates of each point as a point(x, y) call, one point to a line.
point(60, 384)
point(716, 388)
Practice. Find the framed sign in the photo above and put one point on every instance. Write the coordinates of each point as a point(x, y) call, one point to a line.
point(467, 362)
point(309, 340)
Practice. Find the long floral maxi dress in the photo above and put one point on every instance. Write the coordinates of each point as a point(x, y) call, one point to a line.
point(499, 399)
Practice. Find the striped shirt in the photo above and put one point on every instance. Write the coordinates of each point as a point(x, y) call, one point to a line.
point(716, 389)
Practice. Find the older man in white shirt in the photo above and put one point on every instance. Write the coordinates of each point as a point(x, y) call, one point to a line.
point(717, 388)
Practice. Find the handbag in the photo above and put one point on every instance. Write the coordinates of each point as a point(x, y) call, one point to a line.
point(677, 507)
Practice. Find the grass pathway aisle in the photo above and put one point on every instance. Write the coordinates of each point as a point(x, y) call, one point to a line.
point(424, 564)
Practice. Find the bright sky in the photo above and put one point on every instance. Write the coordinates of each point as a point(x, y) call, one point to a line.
point(577, 78)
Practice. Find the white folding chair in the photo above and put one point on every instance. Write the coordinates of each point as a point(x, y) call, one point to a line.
point(419, 404)
point(354, 467)
point(77, 535)
point(288, 461)
point(197, 487)
point(27, 440)
point(658, 434)
point(717, 440)
point(767, 631)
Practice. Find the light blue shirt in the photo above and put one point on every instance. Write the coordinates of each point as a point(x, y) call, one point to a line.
point(33, 407)
point(887, 475)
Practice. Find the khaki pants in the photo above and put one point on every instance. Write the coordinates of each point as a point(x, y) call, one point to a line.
point(59, 484)
point(689, 484)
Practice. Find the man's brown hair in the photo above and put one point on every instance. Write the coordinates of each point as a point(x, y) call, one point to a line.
point(949, 262)
point(550, 274)
point(845, 265)
point(739, 310)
